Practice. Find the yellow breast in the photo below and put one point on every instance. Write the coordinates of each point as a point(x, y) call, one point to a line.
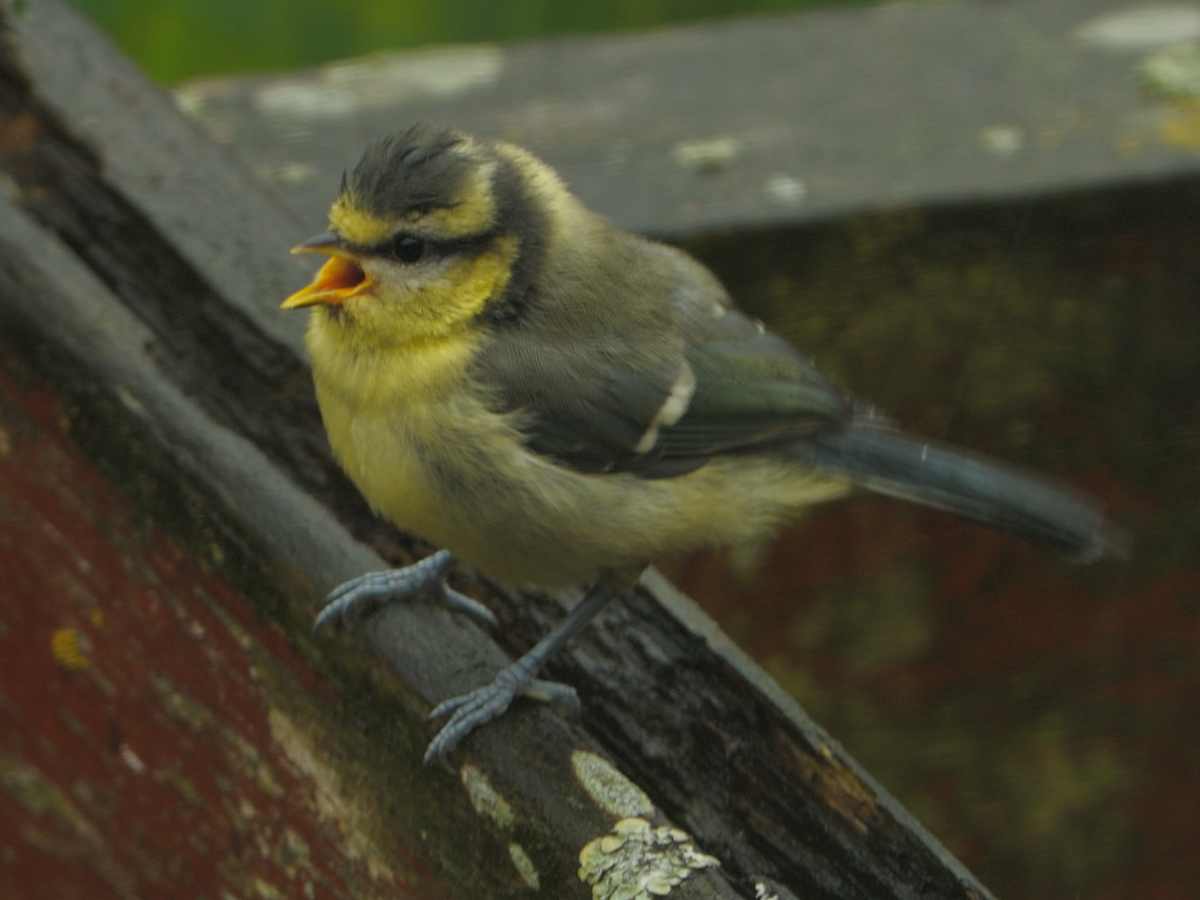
point(417, 439)
point(381, 406)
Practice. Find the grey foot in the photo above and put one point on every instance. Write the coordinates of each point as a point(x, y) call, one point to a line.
point(426, 578)
point(480, 706)
point(489, 702)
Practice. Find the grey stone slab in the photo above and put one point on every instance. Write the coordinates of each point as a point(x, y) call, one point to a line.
point(766, 121)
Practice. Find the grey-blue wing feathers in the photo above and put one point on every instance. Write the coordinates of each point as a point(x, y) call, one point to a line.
point(599, 405)
point(931, 474)
point(604, 404)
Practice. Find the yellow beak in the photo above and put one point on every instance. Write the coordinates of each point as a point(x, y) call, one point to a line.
point(337, 281)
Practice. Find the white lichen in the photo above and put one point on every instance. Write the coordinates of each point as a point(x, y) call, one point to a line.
point(636, 861)
point(485, 798)
point(524, 865)
point(1173, 73)
point(706, 155)
point(610, 789)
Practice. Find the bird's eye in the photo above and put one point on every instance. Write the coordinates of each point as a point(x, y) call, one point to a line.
point(408, 249)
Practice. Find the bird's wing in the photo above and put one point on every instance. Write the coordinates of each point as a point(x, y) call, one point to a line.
point(660, 409)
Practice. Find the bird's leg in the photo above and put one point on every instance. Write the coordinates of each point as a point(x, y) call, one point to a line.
point(426, 578)
point(480, 706)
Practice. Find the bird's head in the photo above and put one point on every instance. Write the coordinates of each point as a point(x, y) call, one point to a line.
point(430, 230)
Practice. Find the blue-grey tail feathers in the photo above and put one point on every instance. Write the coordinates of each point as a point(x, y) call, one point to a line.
point(931, 474)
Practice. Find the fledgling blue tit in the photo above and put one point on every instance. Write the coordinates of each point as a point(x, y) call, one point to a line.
point(507, 375)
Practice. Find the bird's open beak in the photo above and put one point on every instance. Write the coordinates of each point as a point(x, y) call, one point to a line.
point(337, 281)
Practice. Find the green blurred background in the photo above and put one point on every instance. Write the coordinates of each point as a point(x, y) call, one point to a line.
point(179, 39)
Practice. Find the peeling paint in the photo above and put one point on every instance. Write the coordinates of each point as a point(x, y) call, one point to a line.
point(75, 835)
point(159, 768)
point(244, 757)
point(331, 803)
point(608, 787)
point(266, 891)
point(132, 761)
point(186, 710)
point(485, 798)
point(637, 862)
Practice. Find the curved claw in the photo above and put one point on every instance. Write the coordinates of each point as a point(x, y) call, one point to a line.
point(489, 702)
point(480, 706)
point(469, 607)
point(340, 601)
point(352, 598)
point(471, 710)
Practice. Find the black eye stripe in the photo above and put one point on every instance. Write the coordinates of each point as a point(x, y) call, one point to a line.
point(403, 246)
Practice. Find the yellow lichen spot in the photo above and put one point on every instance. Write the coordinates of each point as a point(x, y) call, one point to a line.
point(69, 648)
point(608, 787)
point(638, 862)
point(1182, 128)
point(97, 617)
point(485, 798)
point(525, 866)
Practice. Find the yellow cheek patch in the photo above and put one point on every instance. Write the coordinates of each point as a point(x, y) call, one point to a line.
point(439, 307)
point(462, 292)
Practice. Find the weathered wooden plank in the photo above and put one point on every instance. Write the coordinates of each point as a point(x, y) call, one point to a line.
point(162, 339)
point(763, 122)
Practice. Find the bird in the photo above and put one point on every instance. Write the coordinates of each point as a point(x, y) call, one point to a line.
point(555, 401)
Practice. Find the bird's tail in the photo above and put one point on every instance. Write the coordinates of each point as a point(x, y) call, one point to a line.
point(975, 488)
